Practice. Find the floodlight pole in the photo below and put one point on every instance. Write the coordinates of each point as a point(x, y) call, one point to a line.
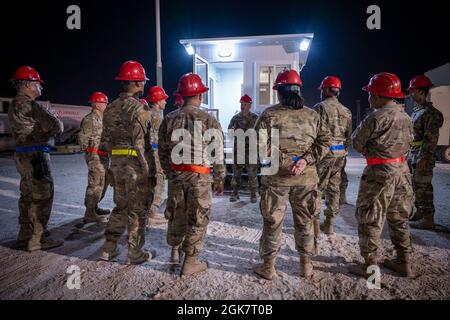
point(159, 74)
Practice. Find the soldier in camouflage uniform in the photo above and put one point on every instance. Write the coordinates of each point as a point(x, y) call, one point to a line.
point(427, 120)
point(189, 201)
point(339, 120)
point(244, 120)
point(126, 138)
point(303, 141)
point(157, 99)
point(385, 190)
point(97, 160)
point(33, 126)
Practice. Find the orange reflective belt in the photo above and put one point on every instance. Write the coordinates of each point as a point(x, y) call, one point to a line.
point(191, 168)
point(375, 161)
point(99, 152)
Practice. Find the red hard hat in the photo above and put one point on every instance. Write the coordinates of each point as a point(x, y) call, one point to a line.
point(26, 73)
point(98, 97)
point(420, 82)
point(191, 85)
point(246, 99)
point(386, 85)
point(143, 101)
point(331, 82)
point(156, 94)
point(178, 99)
point(131, 71)
point(288, 77)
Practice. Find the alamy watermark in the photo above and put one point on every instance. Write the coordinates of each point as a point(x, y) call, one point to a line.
point(74, 278)
point(74, 20)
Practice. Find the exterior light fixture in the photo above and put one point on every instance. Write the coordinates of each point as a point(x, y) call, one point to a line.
point(189, 49)
point(304, 45)
point(225, 50)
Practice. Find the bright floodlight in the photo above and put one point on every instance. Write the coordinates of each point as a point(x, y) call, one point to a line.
point(225, 50)
point(304, 45)
point(189, 49)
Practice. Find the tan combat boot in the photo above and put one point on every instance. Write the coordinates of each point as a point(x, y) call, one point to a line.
point(266, 270)
point(360, 269)
point(234, 195)
point(140, 257)
point(306, 267)
point(175, 255)
point(253, 197)
point(109, 256)
point(328, 226)
point(192, 266)
point(43, 244)
point(401, 265)
point(426, 223)
point(90, 216)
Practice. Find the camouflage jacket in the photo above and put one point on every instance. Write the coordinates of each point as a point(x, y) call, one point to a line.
point(189, 118)
point(387, 134)
point(155, 123)
point(31, 123)
point(125, 126)
point(427, 120)
point(90, 131)
point(339, 120)
point(301, 134)
point(240, 121)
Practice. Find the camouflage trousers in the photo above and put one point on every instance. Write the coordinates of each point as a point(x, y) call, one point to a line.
point(252, 170)
point(131, 190)
point(158, 191)
point(97, 180)
point(423, 188)
point(188, 212)
point(344, 184)
point(305, 202)
point(36, 194)
point(330, 170)
point(381, 198)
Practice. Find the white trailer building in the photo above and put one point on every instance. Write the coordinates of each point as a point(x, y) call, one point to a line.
point(232, 67)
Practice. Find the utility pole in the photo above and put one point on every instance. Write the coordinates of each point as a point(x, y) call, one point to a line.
point(159, 74)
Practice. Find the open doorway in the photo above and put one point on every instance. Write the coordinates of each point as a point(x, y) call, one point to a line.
point(226, 82)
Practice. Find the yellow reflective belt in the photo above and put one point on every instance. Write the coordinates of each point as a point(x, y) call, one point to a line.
point(417, 144)
point(124, 152)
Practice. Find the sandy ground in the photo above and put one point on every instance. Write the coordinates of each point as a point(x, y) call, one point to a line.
point(231, 247)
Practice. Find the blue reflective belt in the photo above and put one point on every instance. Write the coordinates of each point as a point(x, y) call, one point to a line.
point(266, 165)
point(45, 149)
point(339, 147)
point(296, 159)
point(154, 146)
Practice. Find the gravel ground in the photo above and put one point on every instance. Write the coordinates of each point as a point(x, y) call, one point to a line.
point(231, 247)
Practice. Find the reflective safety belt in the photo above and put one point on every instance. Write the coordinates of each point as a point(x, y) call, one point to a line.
point(339, 147)
point(32, 149)
point(376, 161)
point(97, 151)
point(124, 152)
point(190, 168)
point(416, 144)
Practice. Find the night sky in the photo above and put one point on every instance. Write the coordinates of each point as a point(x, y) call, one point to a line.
point(75, 63)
